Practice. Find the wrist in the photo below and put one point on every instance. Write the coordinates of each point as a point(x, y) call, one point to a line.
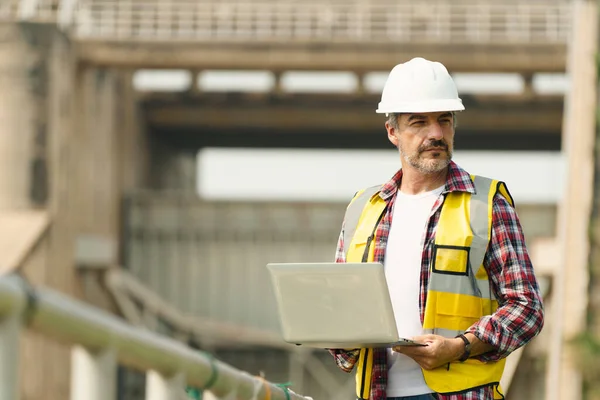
point(458, 348)
point(464, 346)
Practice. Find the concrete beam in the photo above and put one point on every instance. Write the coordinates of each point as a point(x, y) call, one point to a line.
point(330, 56)
point(318, 113)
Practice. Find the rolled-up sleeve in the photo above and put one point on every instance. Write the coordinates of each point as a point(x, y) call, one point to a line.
point(345, 359)
point(520, 315)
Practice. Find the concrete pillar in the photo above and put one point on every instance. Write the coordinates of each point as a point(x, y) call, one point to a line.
point(528, 90)
point(360, 87)
point(23, 182)
point(194, 88)
point(278, 88)
point(93, 375)
point(159, 387)
point(34, 130)
point(10, 333)
point(570, 286)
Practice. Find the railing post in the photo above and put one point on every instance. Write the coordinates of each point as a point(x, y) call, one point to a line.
point(66, 13)
point(27, 8)
point(93, 375)
point(159, 387)
point(10, 329)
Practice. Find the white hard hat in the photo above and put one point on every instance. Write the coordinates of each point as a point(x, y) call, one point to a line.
point(419, 86)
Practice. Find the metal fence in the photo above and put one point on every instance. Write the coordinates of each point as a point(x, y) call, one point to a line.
point(310, 371)
point(208, 258)
point(387, 21)
point(31, 10)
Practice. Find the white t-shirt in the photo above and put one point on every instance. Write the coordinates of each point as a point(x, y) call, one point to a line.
point(402, 270)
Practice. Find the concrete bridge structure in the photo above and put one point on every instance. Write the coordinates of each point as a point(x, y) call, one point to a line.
point(523, 37)
point(77, 142)
point(467, 35)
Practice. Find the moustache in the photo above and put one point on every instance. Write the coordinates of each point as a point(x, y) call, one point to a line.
point(434, 145)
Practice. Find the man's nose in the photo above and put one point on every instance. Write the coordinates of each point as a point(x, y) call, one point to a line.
point(435, 131)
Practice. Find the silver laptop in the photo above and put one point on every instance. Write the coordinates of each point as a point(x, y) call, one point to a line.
point(335, 305)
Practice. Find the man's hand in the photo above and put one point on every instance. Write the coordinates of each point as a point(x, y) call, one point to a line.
point(439, 350)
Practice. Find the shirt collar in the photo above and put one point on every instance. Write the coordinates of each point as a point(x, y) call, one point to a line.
point(457, 180)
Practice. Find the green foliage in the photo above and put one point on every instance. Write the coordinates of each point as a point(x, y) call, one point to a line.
point(587, 345)
point(587, 348)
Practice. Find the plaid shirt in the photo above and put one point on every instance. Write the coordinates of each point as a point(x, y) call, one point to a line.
point(520, 315)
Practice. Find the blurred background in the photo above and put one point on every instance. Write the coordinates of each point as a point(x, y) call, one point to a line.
point(155, 155)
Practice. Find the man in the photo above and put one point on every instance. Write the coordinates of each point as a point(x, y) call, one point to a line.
point(458, 272)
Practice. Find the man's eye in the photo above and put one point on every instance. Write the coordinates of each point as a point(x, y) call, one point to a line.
point(418, 123)
point(445, 121)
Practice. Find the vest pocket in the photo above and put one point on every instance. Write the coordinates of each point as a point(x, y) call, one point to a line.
point(448, 314)
point(451, 260)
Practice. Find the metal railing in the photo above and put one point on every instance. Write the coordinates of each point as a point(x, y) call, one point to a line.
point(141, 306)
point(102, 340)
point(29, 10)
point(386, 21)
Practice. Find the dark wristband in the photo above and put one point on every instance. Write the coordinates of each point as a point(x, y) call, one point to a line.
point(467, 352)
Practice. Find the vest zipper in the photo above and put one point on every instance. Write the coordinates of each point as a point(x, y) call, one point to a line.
point(365, 256)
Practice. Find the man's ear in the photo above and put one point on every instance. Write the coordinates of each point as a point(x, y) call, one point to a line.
point(391, 132)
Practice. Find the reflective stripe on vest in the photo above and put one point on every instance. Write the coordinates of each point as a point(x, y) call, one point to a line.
point(354, 215)
point(459, 290)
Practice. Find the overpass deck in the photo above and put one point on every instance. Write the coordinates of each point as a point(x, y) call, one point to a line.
point(507, 122)
point(468, 35)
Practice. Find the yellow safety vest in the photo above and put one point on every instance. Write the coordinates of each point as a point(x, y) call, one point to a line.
point(459, 292)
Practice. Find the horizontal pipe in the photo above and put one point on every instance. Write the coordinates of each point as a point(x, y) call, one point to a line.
point(69, 321)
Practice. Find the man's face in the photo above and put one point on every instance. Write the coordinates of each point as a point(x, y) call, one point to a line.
point(425, 140)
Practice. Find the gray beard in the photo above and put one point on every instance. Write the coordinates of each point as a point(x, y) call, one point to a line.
point(426, 166)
